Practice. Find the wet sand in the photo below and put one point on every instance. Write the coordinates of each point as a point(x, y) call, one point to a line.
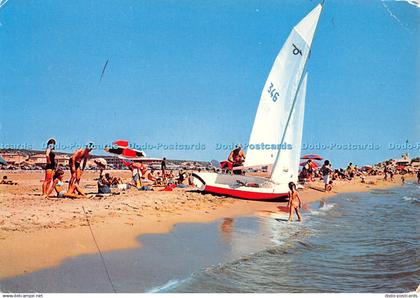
point(37, 233)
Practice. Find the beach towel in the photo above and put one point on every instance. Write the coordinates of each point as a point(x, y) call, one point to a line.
point(170, 187)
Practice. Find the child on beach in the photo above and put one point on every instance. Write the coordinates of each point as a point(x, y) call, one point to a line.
point(294, 202)
point(73, 192)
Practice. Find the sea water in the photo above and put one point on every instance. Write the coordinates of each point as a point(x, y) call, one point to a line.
point(354, 242)
point(359, 242)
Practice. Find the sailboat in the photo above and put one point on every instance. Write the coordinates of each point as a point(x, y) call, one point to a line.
point(278, 124)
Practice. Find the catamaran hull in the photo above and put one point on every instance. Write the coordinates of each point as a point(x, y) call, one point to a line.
point(228, 185)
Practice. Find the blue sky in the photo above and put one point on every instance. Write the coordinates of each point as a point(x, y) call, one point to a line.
point(191, 72)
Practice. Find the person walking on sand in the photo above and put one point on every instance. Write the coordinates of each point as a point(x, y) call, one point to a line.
point(418, 176)
point(50, 166)
point(294, 202)
point(77, 163)
point(326, 171)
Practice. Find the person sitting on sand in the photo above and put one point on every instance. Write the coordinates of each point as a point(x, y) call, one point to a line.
point(73, 192)
point(112, 180)
point(78, 157)
point(294, 202)
point(182, 175)
point(6, 181)
point(150, 175)
point(104, 185)
point(326, 171)
point(50, 166)
point(170, 177)
point(191, 180)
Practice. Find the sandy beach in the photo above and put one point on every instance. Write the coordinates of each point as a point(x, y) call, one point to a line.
point(37, 233)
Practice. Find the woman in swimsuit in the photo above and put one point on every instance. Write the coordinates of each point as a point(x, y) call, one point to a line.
point(294, 202)
point(74, 191)
point(50, 166)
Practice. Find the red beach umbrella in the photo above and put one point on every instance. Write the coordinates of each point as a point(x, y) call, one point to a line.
point(121, 147)
point(312, 156)
point(313, 164)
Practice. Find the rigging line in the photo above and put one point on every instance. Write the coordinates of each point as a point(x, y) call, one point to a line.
point(3, 2)
point(103, 70)
point(99, 250)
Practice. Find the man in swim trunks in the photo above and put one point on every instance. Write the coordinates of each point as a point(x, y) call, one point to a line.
point(77, 163)
point(236, 158)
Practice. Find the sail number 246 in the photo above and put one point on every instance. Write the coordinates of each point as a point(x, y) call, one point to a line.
point(273, 92)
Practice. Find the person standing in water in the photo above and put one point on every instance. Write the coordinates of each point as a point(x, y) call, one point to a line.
point(294, 202)
point(50, 166)
point(77, 163)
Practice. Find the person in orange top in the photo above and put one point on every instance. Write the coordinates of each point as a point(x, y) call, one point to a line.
point(294, 202)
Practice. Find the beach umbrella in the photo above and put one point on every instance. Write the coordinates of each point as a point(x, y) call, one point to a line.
point(312, 156)
point(2, 161)
point(313, 164)
point(100, 162)
point(121, 147)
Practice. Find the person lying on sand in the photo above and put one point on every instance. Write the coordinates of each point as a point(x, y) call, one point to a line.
point(294, 202)
point(77, 163)
point(5, 181)
point(73, 192)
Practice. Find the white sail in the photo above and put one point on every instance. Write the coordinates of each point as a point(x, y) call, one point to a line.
point(286, 168)
point(279, 92)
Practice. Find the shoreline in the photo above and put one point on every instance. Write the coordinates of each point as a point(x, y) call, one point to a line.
point(59, 229)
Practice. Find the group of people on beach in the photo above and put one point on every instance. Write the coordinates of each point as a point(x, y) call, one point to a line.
point(54, 177)
point(78, 160)
point(77, 163)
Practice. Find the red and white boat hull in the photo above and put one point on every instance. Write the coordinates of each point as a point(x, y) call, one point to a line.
point(239, 186)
